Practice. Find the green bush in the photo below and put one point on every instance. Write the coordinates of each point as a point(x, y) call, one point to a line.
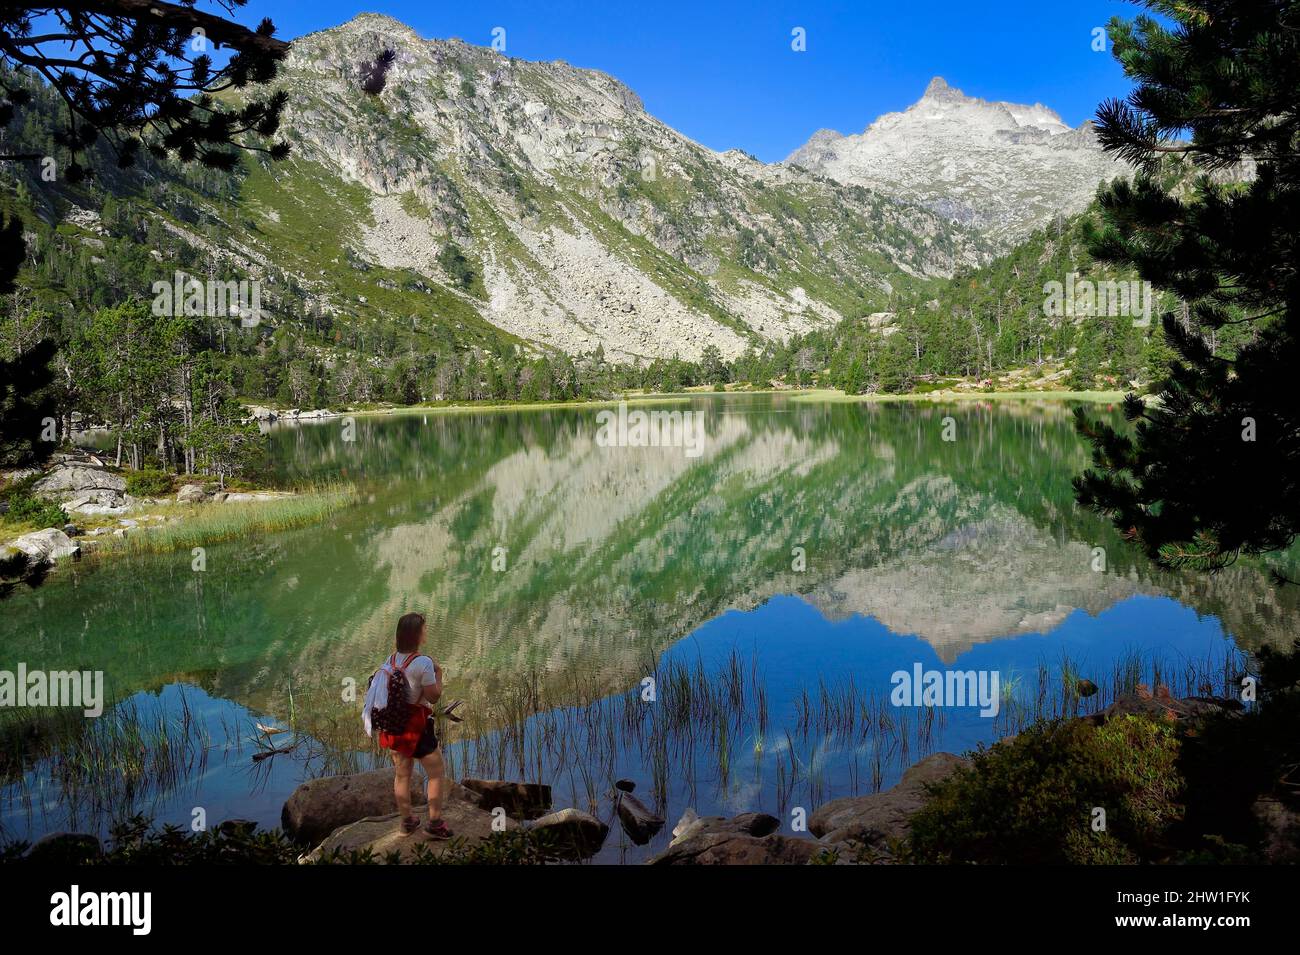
point(1030, 799)
point(27, 507)
point(148, 483)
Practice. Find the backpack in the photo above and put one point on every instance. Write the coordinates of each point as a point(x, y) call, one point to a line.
point(394, 715)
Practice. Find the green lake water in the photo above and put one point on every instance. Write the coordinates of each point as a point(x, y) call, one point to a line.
point(816, 548)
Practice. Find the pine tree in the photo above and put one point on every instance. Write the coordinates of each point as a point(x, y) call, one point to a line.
point(1211, 469)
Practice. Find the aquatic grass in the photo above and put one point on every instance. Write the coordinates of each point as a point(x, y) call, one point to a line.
point(709, 726)
point(204, 524)
point(104, 768)
point(704, 727)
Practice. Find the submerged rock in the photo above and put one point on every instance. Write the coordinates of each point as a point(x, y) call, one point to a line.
point(689, 818)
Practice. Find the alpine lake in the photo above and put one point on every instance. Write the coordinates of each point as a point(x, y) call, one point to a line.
point(722, 627)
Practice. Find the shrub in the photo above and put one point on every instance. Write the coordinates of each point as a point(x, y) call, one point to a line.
point(148, 483)
point(27, 507)
point(1030, 799)
point(135, 842)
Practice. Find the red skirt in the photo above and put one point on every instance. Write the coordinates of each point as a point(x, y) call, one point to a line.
point(406, 741)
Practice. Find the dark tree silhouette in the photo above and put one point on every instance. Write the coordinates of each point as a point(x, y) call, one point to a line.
point(26, 398)
point(141, 73)
point(1211, 469)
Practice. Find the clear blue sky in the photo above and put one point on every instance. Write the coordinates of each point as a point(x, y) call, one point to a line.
point(723, 71)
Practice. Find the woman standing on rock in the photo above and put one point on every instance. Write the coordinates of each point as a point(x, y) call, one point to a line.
point(399, 703)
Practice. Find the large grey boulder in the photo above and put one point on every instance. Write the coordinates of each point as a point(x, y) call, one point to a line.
point(191, 494)
point(48, 545)
point(383, 836)
point(319, 806)
point(873, 821)
point(748, 839)
point(82, 484)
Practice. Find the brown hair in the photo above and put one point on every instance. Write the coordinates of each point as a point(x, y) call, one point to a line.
point(408, 632)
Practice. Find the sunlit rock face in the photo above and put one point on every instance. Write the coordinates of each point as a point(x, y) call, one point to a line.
point(587, 221)
point(1003, 168)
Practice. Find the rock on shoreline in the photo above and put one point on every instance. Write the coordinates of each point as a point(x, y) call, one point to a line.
point(46, 546)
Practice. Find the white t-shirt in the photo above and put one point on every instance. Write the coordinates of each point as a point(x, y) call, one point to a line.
point(419, 674)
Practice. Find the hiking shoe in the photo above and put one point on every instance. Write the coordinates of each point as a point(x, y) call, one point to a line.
point(410, 824)
point(437, 830)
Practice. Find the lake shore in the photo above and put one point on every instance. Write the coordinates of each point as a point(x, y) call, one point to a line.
point(98, 515)
point(810, 395)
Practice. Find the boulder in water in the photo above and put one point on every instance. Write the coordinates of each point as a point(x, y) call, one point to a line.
point(638, 821)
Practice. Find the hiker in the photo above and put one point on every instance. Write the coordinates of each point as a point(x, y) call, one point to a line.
point(399, 703)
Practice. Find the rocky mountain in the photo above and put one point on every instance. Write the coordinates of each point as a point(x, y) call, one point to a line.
point(449, 183)
point(1004, 169)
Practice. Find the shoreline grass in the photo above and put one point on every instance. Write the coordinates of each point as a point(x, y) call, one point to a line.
point(202, 524)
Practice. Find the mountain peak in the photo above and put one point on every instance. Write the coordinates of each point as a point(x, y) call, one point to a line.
point(1004, 168)
point(377, 20)
point(940, 91)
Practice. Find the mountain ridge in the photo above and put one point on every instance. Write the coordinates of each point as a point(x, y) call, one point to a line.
point(1003, 168)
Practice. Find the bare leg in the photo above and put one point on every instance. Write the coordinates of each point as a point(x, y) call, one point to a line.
point(436, 770)
point(402, 784)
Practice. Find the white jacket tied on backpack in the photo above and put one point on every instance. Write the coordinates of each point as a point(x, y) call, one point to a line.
point(376, 695)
